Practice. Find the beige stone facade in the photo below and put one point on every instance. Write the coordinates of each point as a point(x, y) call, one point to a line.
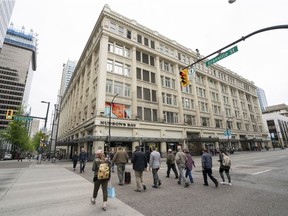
point(141, 66)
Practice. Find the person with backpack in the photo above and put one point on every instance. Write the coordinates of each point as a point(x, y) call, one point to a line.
point(189, 165)
point(102, 174)
point(225, 165)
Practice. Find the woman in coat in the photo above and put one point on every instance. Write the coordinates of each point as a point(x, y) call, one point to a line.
point(100, 158)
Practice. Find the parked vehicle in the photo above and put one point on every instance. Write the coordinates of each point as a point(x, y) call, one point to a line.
point(7, 157)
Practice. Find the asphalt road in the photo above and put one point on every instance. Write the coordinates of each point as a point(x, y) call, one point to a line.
point(259, 187)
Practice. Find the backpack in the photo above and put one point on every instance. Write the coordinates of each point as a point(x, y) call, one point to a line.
point(226, 160)
point(103, 171)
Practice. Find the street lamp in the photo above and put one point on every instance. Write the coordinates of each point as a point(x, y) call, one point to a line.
point(46, 113)
point(109, 129)
point(228, 132)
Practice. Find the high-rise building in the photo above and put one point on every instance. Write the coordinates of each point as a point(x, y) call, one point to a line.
point(262, 99)
point(17, 63)
point(67, 73)
point(126, 91)
point(6, 8)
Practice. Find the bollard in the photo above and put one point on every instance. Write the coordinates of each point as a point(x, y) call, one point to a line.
point(53, 159)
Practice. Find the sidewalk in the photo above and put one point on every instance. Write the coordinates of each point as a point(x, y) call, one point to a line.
point(49, 189)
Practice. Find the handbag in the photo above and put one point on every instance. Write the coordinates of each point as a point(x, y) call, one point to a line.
point(111, 190)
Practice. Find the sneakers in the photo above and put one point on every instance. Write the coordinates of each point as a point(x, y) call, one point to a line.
point(137, 190)
point(230, 184)
point(205, 184)
point(159, 183)
point(216, 184)
point(179, 182)
point(186, 184)
point(222, 182)
point(93, 201)
point(144, 187)
point(155, 186)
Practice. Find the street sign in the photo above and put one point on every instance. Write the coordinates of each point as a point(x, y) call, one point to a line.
point(222, 56)
point(23, 118)
point(227, 133)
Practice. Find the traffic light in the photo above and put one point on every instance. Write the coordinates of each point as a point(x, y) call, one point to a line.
point(184, 79)
point(9, 114)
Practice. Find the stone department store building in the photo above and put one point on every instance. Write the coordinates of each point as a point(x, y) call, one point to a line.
point(138, 70)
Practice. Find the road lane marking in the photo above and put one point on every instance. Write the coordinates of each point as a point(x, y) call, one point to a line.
point(283, 156)
point(261, 172)
point(258, 160)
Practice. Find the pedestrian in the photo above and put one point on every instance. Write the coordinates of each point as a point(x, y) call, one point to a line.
point(111, 155)
point(189, 166)
point(75, 159)
point(139, 162)
point(120, 159)
point(170, 161)
point(100, 159)
point(82, 160)
point(147, 154)
point(181, 159)
point(206, 160)
point(154, 164)
point(225, 164)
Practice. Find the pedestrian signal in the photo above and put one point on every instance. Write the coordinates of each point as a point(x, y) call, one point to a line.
point(9, 114)
point(184, 79)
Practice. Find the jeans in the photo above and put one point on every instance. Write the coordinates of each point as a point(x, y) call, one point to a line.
point(208, 172)
point(82, 166)
point(189, 173)
point(120, 172)
point(156, 179)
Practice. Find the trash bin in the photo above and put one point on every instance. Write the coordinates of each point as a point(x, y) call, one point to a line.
point(53, 159)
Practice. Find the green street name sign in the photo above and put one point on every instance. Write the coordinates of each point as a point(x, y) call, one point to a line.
point(23, 118)
point(222, 56)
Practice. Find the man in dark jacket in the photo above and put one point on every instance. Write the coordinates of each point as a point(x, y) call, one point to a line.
point(206, 160)
point(82, 159)
point(139, 162)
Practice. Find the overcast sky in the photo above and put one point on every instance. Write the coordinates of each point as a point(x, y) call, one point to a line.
point(64, 27)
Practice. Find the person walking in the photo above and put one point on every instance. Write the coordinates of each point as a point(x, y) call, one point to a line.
point(170, 161)
point(111, 155)
point(189, 166)
point(75, 159)
point(181, 159)
point(154, 164)
point(82, 159)
point(100, 159)
point(120, 159)
point(139, 162)
point(206, 160)
point(225, 165)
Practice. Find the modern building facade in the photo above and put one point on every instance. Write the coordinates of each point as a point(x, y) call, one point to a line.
point(276, 118)
point(67, 73)
point(6, 9)
point(262, 99)
point(17, 63)
point(126, 89)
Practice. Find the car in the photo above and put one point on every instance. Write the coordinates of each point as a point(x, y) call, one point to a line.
point(8, 157)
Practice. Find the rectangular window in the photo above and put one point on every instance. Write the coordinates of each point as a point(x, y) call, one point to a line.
point(118, 88)
point(205, 121)
point(218, 123)
point(139, 38)
point(108, 86)
point(152, 61)
point(154, 96)
point(167, 82)
point(112, 26)
point(118, 68)
point(119, 50)
point(139, 92)
point(139, 73)
point(121, 30)
point(128, 35)
point(109, 65)
point(138, 56)
point(155, 115)
point(139, 112)
point(169, 99)
point(147, 95)
point(147, 114)
point(110, 47)
point(127, 52)
point(152, 44)
point(127, 90)
point(146, 41)
point(145, 58)
point(146, 75)
point(153, 78)
point(127, 71)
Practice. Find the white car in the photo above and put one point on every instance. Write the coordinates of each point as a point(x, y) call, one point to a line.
point(8, 157)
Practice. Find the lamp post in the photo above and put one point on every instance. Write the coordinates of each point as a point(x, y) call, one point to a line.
point(228, 131)
point(109, 128)
point(48, 106)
